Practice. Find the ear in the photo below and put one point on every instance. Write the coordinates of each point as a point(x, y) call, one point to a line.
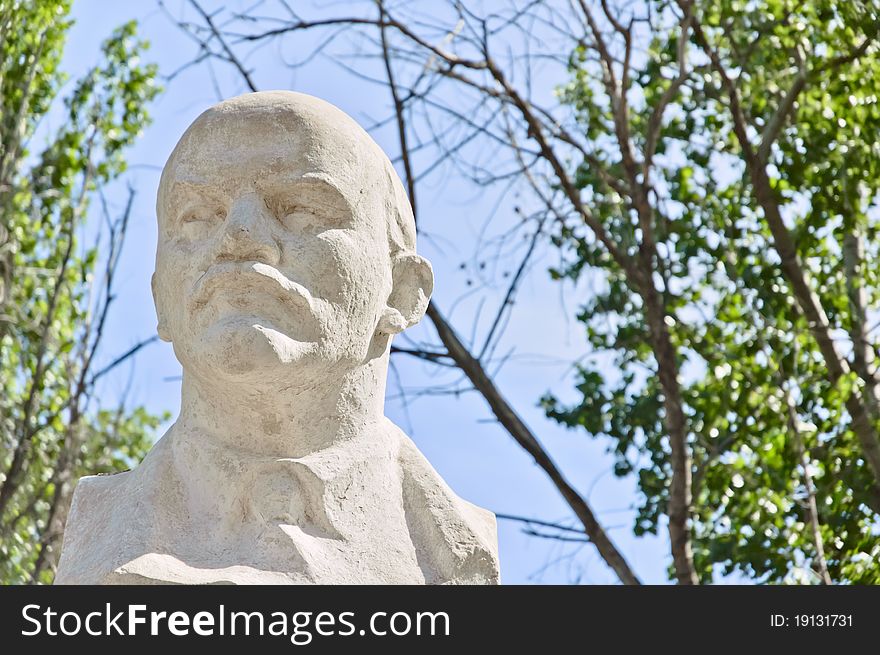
point(413, 281)
point(161, 327)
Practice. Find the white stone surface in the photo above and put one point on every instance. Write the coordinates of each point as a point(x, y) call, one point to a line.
point(286, 264)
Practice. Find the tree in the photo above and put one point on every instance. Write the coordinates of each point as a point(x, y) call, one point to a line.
point(713, 166)
point(768, 187)
point(53, 308)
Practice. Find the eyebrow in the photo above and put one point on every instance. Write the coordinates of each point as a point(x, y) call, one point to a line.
point(187, 185)
point(276, 181)
point(306, 186)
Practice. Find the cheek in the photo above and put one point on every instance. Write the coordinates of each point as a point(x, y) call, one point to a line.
point(176, 271)
point(351, 273)
point(339, 265)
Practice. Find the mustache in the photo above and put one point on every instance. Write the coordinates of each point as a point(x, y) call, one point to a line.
point(251, 275)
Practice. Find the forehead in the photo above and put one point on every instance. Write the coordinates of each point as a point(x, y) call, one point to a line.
point(235, 150)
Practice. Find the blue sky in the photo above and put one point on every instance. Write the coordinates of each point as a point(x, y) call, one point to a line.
point(457, 434)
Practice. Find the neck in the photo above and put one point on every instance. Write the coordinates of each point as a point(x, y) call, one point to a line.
point(273, 422)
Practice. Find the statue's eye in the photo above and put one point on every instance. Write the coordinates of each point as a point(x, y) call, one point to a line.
point(205, 214)
point(289, 212)
point(200, 220)
point(281, 207)
point(308, 205)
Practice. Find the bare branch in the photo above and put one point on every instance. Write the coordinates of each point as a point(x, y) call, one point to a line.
point(534, 522)
point(229, 54)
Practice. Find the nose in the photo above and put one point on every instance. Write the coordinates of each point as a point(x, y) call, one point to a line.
point(247, 234)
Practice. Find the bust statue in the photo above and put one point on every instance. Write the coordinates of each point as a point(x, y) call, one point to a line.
point(286, 263)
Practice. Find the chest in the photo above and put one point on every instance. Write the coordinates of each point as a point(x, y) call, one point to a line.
point(287, 521)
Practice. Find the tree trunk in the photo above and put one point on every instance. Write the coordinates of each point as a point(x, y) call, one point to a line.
point(511, 421)
point(679, 505)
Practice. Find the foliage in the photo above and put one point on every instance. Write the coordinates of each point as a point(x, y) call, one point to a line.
point(53, 304)
point(767, 426)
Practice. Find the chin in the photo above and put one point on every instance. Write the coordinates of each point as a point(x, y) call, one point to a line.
point(250, 349)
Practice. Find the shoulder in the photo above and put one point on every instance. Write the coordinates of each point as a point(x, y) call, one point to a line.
point(85, 548)
point(456, 542)
point(105, 514)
